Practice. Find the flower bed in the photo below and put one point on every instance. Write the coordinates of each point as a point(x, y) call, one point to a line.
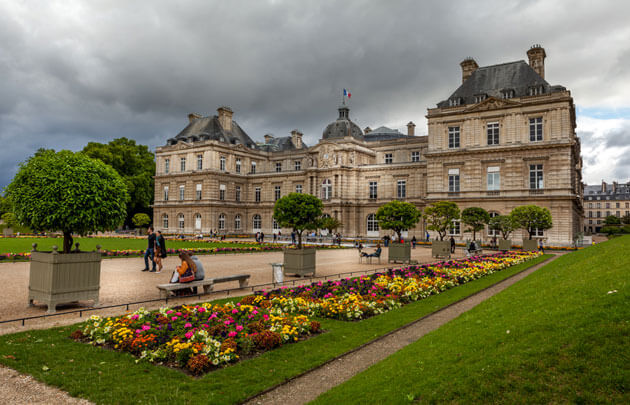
point(197, 337)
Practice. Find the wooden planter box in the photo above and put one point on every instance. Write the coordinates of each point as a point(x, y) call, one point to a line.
point(7, 232)
point(505, 244)
point(530, 244)
point(57, 278)
point(299, 261)
point(399, 252)
point(441, 248)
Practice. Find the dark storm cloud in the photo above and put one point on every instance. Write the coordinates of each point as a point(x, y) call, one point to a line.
point(618, 137)
point(73, 72)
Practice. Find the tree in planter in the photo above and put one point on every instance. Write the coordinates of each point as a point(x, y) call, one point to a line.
point(397, 216)
point(504, 224)
point(440, 216)
point(299, 212)
point(68, 192)
point(140, 220)
point(532, 218)
point(476, 218)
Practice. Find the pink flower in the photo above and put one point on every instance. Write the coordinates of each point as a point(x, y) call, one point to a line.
point(265, 317)
point(254, 312)
point(232, 334)
point(189, 334)
point(146, 327)
point(135, 316)
point(205, 326)
point(188, 325)
point(138, 331)
point(235, 311)
point(201, 309)
point(227, 323)
point(170, 311)
point(174, 318)
point(178, 313)
point(239, 328)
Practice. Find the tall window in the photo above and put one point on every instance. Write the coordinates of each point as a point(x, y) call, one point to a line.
point(165, 193)
point(276, 193)
point(197, 221)
point(494, 178)
point(275, 224)
point(237, 166)
point(455, 228)
point(415, 156)
point(453, 137)
point(401, 188)
point(492, 232)
point(453, 180)
point(493, 133)
point(222, 192)
point(180, 220)
point(535, 129)
point(298, 188)
point(237, 222)
point(389, 158)
point(182, 164)
point(222, 163)
point(167, 165)
point(373, 189)
point(278, 166)
point(257, 194)
point(237, 193)
point(221, 222)
point(257, 222)
point(181, 193)
point(298, 165)
point(199, 162)
point(165, 221)
point(326, 189)
point(372, 223)
point(536, 177)
point(198, 192)
point(538, 232)
point(253, 168)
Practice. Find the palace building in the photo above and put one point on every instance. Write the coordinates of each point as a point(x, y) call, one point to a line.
point(503, 138)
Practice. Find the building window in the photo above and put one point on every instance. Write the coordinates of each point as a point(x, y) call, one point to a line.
point(197, 221)
point(453, 137)
point(222, 192)
point(298, 188)
point(616, 205)
point(599, 214)
point(599, 205)
point(199, 162)
point(607, 213)
point(275, 224)
point(590, 214)
point(167, 165)
point(401, 189)
point(180, 220)
point(538, 232)
point(237, 193)
point(222, 163)
point(415, 156)
point(590, 205)
point(494, 178)
point(181, 193)
point(453, 180)
point(455, 228)
point(372, 223)
point(276, 193)
point(198, 192)
point(257, 222)
point(257, 194)
point(221, 222)
point(536, 176)
point(535, 90)
point(454, 101)
point(253, 168)
point(237, 166)
point(278, 166)
point(492, 130)
point(480, 97)
point(182, 164)
point(618, 214)
point(237, 222)
point(165, 221)
point(373, 190)
point(389, 158)
point(165, 193)
point(507, 93)
point(492, 232)
point(298, 165)
point(607, 205)
point(326, 190)
point(535, 129)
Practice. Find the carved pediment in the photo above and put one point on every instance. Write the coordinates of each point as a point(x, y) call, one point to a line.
point(492, 103)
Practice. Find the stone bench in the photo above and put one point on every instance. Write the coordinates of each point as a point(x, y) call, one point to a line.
point(207, 284)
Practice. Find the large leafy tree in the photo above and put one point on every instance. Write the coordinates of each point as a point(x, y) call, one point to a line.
point(476, 218)
point(612, 220)
point(68, 192)
point(135, 164)
point(330, 224)
point(140, 219)
point(440, 216)
point(397, 216)
point(299, 212)
point(531, 218)
point(504, 224)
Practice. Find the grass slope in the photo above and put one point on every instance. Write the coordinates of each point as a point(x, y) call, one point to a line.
point(557, 336)
point(105, 376)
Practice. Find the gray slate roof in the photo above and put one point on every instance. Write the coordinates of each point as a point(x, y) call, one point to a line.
point(591, 192)
point(343, 126)
point(208, 128)
point(279, 145)
point(383, 134)
point(491, 80)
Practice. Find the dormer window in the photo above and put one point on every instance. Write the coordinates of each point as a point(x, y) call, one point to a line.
point(507, 93)
point(455, 101)
point(536, 90)
point(480, 97)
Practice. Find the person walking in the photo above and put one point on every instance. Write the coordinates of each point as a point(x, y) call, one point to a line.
point(428, 236)
point(452, 244)
point(541, 248)
point(160, 250)
point(293, 238)
point(262, 237)
point(413, 242)
point(150, 252)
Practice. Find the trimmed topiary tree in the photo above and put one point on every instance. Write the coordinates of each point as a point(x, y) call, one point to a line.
point(504, 224)
point(68, 192)
point(476, 218)
point(299, 212)
point(397, 216)
point(440, 216)
point(531, 218)
point(140, 220)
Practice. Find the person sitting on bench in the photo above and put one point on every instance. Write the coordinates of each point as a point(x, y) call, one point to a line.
point(183, 271)
point(376, 253)
point(472, 248)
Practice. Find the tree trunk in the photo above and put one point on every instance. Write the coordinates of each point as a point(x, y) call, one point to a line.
point(67, 242)
point(299, 239)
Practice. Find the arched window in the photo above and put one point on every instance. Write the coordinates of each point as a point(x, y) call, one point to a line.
point(275, 224)
point(326, 190)
point(221, 222)
point(237, 222)
point(165, 221)
point(372, 223)
point(257, 223)
point(180, 219)
point(197, 221)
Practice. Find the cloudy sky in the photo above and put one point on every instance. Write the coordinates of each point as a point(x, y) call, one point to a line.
point(72, 72)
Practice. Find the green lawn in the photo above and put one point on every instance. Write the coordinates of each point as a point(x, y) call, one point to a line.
point(561, 335)
point(105, 376)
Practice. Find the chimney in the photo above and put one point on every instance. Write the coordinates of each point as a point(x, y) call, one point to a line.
point(411, 129)
point(603, 186)
point(468, 67)
point(268, 138)
point(192, 117)
point(537, 55)
point(296, 138)
point(225, 118)
point(367, 130)
point(614, 188)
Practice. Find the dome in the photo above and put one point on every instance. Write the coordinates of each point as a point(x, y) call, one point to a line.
point(343, 127)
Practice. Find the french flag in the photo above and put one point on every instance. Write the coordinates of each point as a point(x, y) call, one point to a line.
point(347, 93)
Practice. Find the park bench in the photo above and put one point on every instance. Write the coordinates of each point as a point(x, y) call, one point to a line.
point(476, 251)
point(207, 284)
point(369, 257)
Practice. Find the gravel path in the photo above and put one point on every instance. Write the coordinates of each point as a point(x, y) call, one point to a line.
point(310, 385)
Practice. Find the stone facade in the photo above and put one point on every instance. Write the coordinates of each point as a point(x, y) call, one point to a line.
point(218, 179)
point(601, 201)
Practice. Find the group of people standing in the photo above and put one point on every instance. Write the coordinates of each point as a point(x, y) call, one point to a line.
point(156, 251)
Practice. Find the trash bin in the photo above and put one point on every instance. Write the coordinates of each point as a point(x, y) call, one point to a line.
point(277, 273)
